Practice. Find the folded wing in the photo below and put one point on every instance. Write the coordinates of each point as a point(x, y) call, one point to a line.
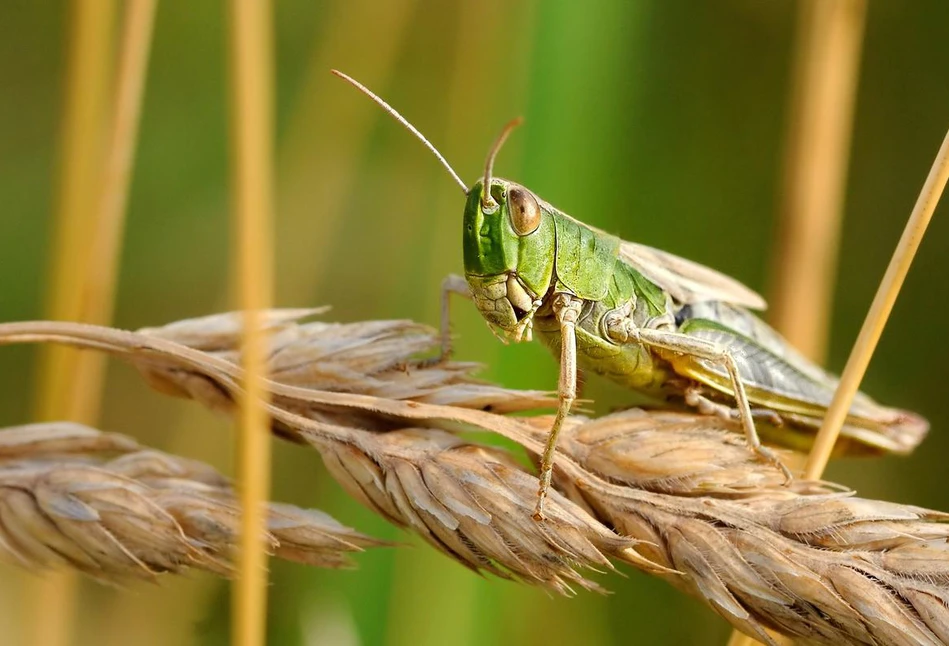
point(688, 282)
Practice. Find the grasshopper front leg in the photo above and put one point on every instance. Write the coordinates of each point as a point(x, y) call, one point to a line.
point(684, 344)
point(453, 284)
point(566, 309)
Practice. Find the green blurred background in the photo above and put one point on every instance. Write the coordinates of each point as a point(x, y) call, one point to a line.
point(662, 121)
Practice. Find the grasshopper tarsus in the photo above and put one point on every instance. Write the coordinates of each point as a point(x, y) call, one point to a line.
point(695, 399)
point(770, 456)
point(767, 416)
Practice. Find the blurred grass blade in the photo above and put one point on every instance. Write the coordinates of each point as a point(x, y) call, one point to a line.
point(826, 70)
point(68, 383)
point(106, 247)
point(252, 191)
point(325, 138)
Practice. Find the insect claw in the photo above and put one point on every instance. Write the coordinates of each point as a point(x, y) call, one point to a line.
point(539, 514)
point(772, 457)
point(788, 476)
point(768, 416)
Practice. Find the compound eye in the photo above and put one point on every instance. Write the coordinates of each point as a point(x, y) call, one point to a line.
point(525, 211)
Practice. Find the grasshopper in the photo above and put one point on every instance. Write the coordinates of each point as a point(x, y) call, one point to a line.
point(651, 321)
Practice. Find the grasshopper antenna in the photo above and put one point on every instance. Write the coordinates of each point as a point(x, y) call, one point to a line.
point(408, 126)
point(487, 202)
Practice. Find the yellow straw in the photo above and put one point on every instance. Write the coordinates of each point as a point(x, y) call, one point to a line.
point(105, 250)
point(252, 194)
point(879, 312)
point(61, 391)
point(826, 70)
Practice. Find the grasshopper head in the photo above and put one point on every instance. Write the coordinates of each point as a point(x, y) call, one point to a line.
point(509, 248)
point(509, 237)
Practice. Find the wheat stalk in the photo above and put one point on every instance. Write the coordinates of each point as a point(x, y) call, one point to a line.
point(100, 503)
point(674, 494)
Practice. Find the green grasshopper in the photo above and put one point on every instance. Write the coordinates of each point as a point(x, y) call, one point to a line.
point(648, 320)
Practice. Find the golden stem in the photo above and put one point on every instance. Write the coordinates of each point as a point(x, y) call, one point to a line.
point(252, 194)
point(818, 146)
point(98, 292)
point(80, 174)
point(98, 298)
point(61, 391)
point(879, 311)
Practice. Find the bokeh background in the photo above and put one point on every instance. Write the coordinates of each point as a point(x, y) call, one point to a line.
point(663, 120)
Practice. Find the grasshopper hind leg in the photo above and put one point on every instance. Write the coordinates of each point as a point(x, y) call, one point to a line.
point(683, 344)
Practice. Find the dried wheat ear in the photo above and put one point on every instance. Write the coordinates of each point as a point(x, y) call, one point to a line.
point(100, 503)
point(674, 494)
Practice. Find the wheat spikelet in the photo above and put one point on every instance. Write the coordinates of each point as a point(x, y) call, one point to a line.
point(674, 494)
point(100, 503)
point(378, 358)
point(474, 503)
point(810, 560)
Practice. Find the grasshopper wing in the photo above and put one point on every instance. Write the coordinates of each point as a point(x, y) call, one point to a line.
point(779, 379)
point(686, 281)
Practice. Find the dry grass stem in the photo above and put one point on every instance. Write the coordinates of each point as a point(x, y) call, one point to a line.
point(879, 311)
point(383, 359)
point(103, 253)
point(252, 253)
point(675, 494)
point(71, 496)
point(67, 382)
point(825, 75)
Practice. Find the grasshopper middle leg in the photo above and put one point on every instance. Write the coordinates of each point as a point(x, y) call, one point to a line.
point(695, 399)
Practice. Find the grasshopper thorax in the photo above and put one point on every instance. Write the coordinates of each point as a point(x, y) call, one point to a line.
point(509, 248)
